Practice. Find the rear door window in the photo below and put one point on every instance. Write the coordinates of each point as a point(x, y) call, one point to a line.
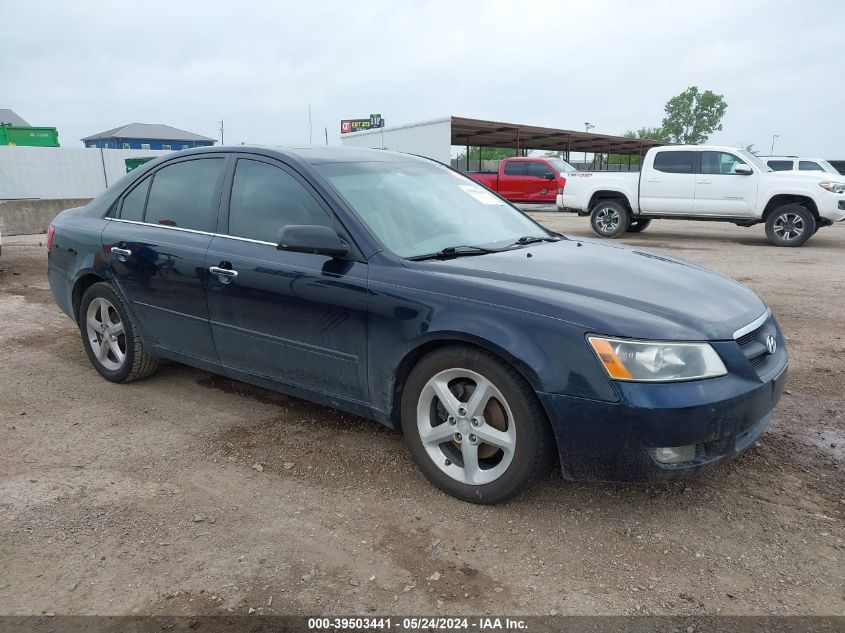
point(183, 195)
point(675, 162)
point(266, 198)
point(133, 202)
point(515, 168)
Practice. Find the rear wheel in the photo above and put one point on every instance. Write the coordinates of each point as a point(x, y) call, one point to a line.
point(790, 225)
point(111, 340)
point(609, 219)
point(474, 426)
point(638, 226)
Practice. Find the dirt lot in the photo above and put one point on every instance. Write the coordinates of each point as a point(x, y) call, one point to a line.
point(187, 493)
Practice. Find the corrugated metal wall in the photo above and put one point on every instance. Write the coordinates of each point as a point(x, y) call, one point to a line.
point(62, 172)
point(429, 138)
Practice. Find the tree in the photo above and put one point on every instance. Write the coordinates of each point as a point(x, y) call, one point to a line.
point(649, 133)
point(693, 115)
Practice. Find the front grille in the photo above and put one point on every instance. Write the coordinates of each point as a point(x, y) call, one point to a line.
point(758, 360)
point(746, 339)
point(753, 344)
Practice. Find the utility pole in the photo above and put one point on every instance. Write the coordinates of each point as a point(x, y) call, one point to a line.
point(587, 127)
point(327, 135)
point(772, 151)
point(221, 131)
point(310, 129)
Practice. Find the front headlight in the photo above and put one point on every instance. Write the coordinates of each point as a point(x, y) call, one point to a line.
point(653, 361)
point(833, 187)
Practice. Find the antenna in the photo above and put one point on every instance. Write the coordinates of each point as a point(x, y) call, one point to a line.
point(221, 131)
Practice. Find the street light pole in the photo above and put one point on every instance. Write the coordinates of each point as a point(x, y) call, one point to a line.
point(772, 151)
point(587, 127)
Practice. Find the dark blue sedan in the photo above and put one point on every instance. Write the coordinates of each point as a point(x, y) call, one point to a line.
point(394, 288)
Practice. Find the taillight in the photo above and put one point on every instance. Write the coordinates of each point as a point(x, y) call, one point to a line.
point(51, 231)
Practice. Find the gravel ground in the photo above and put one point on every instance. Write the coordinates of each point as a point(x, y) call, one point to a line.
point(192, 494)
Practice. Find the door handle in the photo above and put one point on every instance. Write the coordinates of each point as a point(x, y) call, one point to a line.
point(223, 272)
point(704, 182)
point(122, 253)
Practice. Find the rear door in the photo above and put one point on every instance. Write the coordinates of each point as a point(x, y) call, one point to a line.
point(512, 180)
point(668, 187)
point(155, 247)
point(296, 318)
point(720, 191)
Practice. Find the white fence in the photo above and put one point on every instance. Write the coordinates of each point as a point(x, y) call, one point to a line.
point(62, 172)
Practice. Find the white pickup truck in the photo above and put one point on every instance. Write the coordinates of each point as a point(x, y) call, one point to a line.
point(701, 182)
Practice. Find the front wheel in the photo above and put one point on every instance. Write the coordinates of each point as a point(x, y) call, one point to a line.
point(790, 225)
point(474, 426)
point(609, 219)
point(638, 226)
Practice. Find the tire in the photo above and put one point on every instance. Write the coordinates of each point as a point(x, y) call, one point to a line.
point(123, 358)
point(609, 219)
point(638, 226)
point(790, 225)
point(511, 417)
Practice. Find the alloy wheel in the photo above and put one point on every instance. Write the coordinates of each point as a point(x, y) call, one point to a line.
point(466, 426)
point(607, 219)
point(788, 226)
point(106, 333)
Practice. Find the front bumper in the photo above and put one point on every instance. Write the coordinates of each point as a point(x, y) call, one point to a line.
point(611, 441)
point(833, 209)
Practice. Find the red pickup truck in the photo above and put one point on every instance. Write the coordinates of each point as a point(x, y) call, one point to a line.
point(527, 179)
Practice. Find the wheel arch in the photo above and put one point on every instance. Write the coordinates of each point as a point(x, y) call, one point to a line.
point(787, 198)
point(446, 339)
point(609, 194)
point(84, 281)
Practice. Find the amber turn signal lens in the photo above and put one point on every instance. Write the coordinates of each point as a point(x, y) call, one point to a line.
point(609, 359)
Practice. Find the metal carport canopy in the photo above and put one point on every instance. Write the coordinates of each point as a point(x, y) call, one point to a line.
point(477, 132)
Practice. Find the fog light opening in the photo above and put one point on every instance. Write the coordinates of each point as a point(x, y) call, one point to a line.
point(673, 454)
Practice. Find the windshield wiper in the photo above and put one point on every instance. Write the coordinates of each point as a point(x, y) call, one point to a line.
point(456, 251)
point(531, 239)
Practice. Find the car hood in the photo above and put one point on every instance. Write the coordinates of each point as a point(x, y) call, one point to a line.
point(607, 289)
point(802, 176)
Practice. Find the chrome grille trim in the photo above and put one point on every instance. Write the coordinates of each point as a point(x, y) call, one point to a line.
point(756, 323)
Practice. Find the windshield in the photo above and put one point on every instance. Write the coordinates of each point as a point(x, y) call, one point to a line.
point(420, 208)
point(562, 166)
point(754, 160)
point(828, 167)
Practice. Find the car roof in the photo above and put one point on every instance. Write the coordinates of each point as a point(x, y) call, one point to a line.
point(316, 154)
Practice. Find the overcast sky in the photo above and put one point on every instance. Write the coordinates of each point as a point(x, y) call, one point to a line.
point(85, 67)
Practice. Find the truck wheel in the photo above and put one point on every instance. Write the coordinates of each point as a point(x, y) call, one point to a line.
point(790, 225)
point(638, 226)
point(609, 219)
point(474, 426)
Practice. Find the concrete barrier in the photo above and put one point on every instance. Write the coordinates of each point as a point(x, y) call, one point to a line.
point(23, 217)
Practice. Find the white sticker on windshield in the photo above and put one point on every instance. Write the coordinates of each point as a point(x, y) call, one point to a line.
point(480, 194)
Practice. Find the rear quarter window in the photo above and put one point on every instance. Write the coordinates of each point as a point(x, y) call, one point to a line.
point(134, 201)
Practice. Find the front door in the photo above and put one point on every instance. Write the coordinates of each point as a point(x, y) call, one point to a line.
point(542, 183)
point(296, 318)
point(720, 191)
point(668, 188)
point(155, 247)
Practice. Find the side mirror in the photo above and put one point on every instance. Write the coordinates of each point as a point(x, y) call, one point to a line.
point(743, 170)
point(311, 238)
point(549, 176)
